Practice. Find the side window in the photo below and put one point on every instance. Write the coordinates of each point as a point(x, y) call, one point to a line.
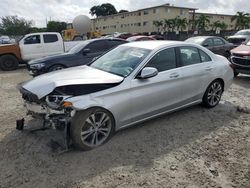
point(204, 56)
point(34, 39)
point(97, 46)
point(189, 56)
point(49, 38)
point(208, 43)
point(218, 42)
point(164, 60)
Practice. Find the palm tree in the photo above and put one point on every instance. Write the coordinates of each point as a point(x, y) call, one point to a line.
point(203, 22)
point(218, 25)
point(158, 25)
point(181, 24)
point(242, 20)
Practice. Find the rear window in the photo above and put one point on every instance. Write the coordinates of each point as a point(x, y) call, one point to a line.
point(49, 38)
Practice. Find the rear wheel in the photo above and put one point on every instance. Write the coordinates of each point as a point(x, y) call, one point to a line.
point(213, 94)
point(91, 128)
point(56, 67)
point(8, 62)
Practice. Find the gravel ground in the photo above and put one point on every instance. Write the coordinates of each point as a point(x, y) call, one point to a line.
point(195, 147)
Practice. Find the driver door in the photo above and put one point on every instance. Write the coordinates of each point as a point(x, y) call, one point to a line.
point(160, 93)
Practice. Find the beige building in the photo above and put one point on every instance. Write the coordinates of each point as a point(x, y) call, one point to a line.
point(218, 17)
point(141, 21)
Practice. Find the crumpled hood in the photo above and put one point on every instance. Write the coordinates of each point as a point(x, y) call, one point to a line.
point(51, 58)
point(46, 83)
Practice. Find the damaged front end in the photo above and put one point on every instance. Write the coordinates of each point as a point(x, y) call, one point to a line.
point(52, 109)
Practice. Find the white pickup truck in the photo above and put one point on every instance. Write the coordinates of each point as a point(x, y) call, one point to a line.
point(32, 46)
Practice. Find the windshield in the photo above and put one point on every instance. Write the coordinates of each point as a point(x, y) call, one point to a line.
point(77, 48)
point(243, 33)
point(121, 60)
point(196, 40)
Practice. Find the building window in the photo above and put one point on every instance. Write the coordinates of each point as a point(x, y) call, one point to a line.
point(181, 11)
point(139, 14)
point(145, 23)
point(168, 10)
point(145, 12)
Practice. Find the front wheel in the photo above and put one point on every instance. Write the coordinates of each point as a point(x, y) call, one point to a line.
point(213, 94)
point(91, 128)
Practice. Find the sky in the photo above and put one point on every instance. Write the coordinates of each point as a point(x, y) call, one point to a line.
point(67, 10)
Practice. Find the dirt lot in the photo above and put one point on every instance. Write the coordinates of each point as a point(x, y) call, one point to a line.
point(195, 147)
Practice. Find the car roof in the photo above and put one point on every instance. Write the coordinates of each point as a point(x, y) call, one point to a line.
point(151, 45)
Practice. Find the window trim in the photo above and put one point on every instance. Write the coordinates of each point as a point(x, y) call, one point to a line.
point(220, 40)
point(40, 37)
point(151, 56)
point(198, 49)
point(44, 36)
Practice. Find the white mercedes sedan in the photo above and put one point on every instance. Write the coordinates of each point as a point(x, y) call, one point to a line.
point(132, 83)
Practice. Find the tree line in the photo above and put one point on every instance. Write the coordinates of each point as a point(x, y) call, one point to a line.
point(15, 26)
point(202, 23)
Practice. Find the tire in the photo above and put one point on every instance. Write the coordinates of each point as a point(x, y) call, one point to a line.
point(56, 67)
point(88, 133)
point(77, 38)
point(8, 62)
point(213, 94)
point(236, 74)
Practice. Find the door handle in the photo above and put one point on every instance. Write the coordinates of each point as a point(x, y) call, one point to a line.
point(208, 68)
point(174, 75)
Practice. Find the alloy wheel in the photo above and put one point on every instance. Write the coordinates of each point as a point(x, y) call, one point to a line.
point(96, 129)
point(214, 93)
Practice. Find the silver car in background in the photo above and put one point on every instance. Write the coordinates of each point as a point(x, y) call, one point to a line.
point(132, 83)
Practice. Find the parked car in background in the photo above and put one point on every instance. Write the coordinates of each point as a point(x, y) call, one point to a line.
point(124, 35)
point(240, 58)
point(132, 83)
point(241, 37)
point(32, 46)
point(4, 40)
point(216, 44)
point(157, 37)
point(140, 38)
point(81, 54)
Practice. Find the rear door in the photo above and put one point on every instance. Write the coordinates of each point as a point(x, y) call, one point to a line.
point(31, 47)
point(196, 72)
point(160, 93)
point(52, 44)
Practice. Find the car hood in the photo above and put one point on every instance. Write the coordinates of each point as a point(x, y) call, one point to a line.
point(242, 49)
point(51, 58)
point(46, 83)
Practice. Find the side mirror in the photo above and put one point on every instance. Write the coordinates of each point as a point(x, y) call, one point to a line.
point(86, 51)
point(205, 45)
point(148, 72)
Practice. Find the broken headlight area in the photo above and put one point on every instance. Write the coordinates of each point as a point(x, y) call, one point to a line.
point(56, 101)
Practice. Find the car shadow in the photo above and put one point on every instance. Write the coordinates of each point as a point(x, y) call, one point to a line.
point(242, 80)
point(28, 155)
